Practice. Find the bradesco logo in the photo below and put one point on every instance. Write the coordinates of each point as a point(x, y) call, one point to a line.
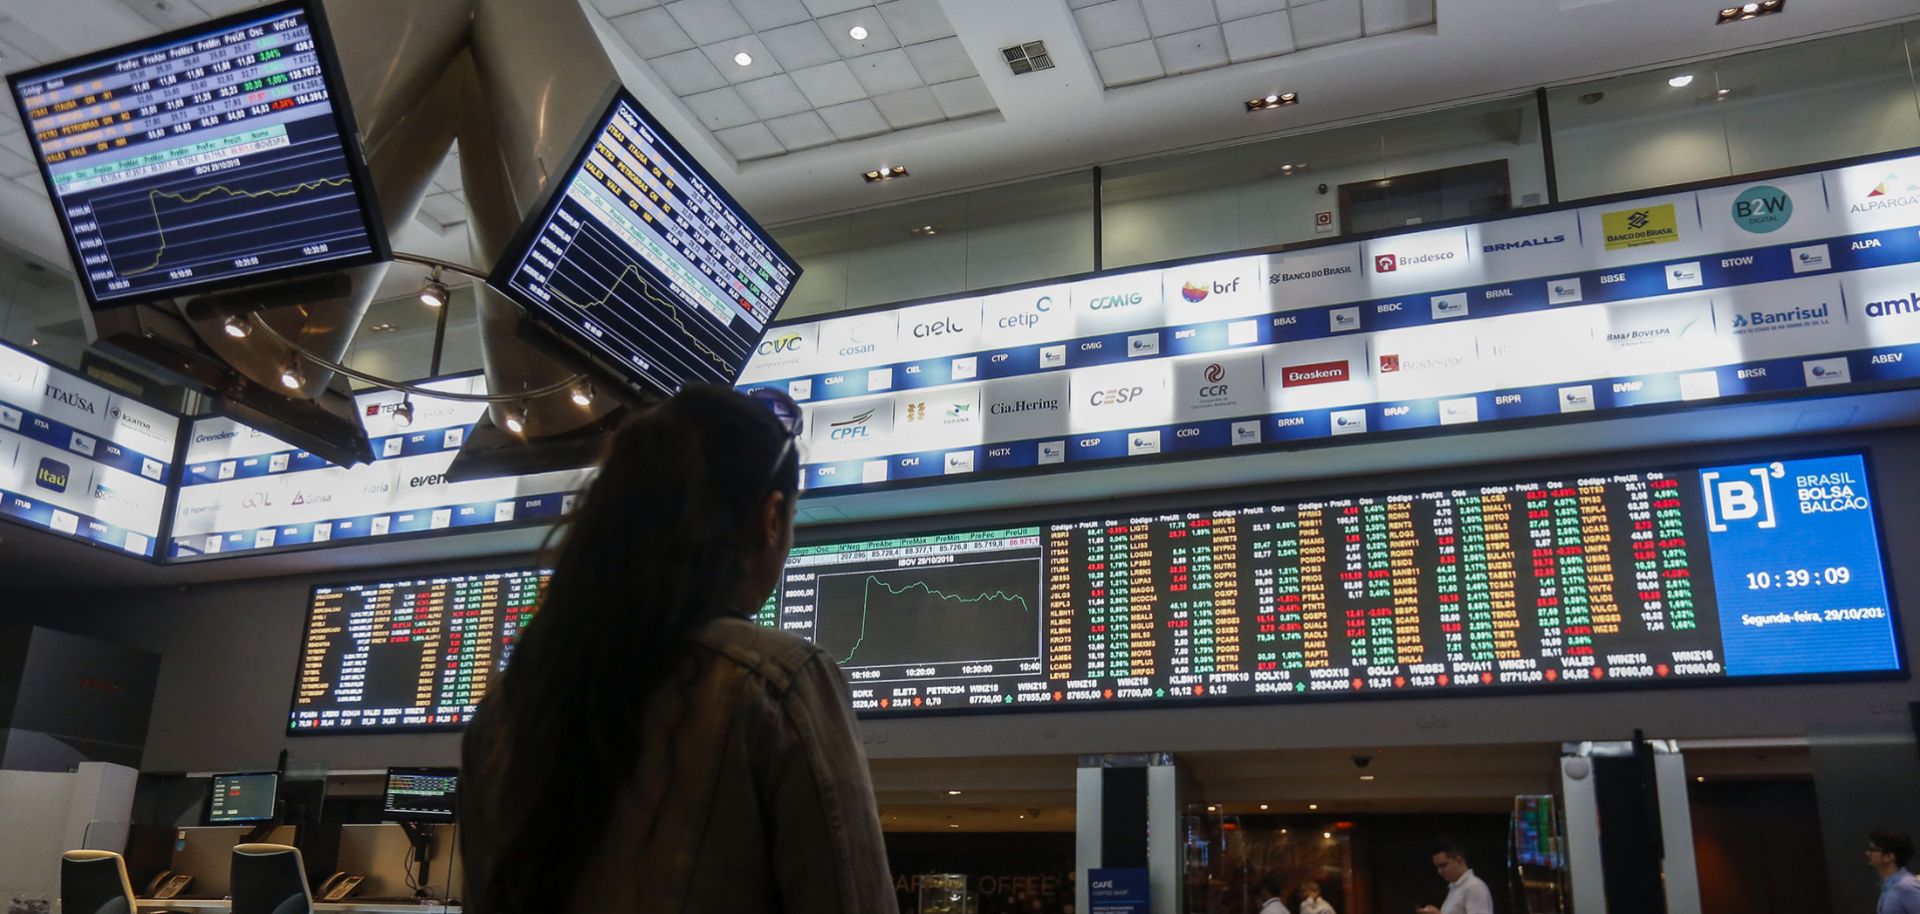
point(1390, 363)
point(1762, 208)
point(850, 428)
point(1633, 228)
point(1892, 193)
point(52, 474)
point(1198, 292)
point(1389, 263)
point(1116, 396)
point(1319, 373)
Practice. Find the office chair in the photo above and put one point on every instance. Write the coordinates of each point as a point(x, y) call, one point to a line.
point(270, 879)
point(94, 882)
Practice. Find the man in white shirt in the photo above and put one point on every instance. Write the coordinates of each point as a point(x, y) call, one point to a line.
point(1466, 893)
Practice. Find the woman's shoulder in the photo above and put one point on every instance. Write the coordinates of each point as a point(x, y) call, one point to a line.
point(769, 653)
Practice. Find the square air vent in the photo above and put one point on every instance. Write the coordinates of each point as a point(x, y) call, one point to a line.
point(1026, 58)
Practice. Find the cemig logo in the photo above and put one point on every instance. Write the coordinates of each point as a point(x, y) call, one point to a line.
point(52, 474)
point(1113, 302)
point(854, 426)
point(1115, 395)
point(1324, 372)
point(1197, 293)
point(1746, 498)
point(774, 345)
point(1385, 263)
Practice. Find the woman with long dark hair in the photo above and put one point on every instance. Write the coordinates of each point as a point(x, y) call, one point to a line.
point(649, 748)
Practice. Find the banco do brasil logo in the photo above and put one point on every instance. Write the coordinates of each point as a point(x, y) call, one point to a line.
point(1762, 208)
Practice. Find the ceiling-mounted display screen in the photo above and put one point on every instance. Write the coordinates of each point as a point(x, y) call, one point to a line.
point(210, 156)
point(641, 259)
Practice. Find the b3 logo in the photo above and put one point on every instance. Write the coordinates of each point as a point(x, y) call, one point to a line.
point(1747, 497)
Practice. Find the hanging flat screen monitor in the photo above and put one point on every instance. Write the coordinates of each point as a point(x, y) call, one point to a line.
point(208, 157)
point(640, 259)
point(421, 795)
point(240, 799)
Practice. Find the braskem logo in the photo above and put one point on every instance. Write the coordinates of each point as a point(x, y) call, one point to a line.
point(53, 475)
point(1332, 372)
point(1762, 208)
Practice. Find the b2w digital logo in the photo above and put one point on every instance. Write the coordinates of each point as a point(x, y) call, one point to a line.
point(1741, 499)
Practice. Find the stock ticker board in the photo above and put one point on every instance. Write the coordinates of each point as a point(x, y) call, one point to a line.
point(203, 157)
point(1715, 574)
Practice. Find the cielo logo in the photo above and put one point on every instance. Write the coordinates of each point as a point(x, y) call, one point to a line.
point(1895, 306)
point(852, 426)
point(1762, 208)
point(1198, 292)
point(52, 474)
point(941, 327)
point(777, 345)
point(1115, 302)
point(72, 399)
point(1541, 241)
point(1115, 395)
point(1041, 305)
point(1893, 192)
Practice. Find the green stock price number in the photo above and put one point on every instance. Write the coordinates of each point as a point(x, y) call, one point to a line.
point(1798, 577)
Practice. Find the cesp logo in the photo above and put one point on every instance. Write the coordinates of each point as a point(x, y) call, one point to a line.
point(1741, 499)
point(1115, 395)
point(851, 427)
point(52, 475)
point(1385, 263)
point(775, 345)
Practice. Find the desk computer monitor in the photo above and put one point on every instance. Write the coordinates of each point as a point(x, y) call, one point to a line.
point(243, 799)
point(421, 794)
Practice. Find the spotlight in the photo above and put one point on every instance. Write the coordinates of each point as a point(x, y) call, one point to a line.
point(582, 395)
point(1313, 806)
point(1276, 100)
point(290, 376)
point(857, 33)
point(743, 59)
point(885, 173)
point(403, 414)
point(1273, 99)
point(433, 292)
point(1722, 93)
point(953, 793)
point(516, 419)
point(236, 328)
point(1750, 10)
point(1263, 807)
point(1682, 81)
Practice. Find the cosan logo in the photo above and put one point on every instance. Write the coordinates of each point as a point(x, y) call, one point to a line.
point(420, 482)
point(776, 345)
point(1761, 320)
point(1215, 373)
point(941, 327)
point(1115, 395)
point(1015, 407)
point(1541, 241)
point(52, 474)
point(1041, 305)
point(1115, 302)
point(851, 427)
point(1893, 192)
point(1198, 292)
point(72, 399)
point(1893, 306)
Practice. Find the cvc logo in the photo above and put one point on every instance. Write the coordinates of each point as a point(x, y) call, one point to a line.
point(1762, 208)
point(779, 344)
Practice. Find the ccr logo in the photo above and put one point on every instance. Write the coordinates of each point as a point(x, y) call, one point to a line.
point(1215, 373)
point(1748, 498)
point(52, 474)
point(851, 427)
point(1115, 395)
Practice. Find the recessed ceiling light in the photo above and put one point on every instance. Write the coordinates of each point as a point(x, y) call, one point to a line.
point(1722, 93)
point(1276, 100)
point(1751, 10)
point(952, 825)
point(885, 173)
point(1366, 777)
point(1700, 779)
point(1681, 82)
point(34, 342)
point(1263, 807)
point(744, 59)
point(1213, 809)
point(1313, 806)
point(1327, 835)
point(857, 33)
point(953, 793)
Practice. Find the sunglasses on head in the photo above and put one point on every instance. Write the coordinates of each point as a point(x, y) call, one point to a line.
point(787, 413)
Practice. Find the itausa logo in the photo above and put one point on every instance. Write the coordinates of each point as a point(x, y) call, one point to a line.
point(53, 475)
point(1762, 208)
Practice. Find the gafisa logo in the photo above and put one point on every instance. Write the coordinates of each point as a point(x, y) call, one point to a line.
point(1762, 208)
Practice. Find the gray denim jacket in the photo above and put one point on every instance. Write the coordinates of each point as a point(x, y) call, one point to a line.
point(752, 795)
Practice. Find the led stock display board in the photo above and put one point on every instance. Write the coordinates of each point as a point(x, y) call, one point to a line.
point(79, 460)
point(1788, 285)
point(244, 492)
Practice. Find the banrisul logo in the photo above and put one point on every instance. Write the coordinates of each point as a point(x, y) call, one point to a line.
point(1762, 208)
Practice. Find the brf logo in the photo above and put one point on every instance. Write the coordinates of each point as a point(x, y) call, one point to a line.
point(1746, 497)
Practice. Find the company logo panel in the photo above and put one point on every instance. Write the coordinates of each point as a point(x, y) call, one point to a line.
point(1881, 195)
point(1115, 304)
point(940, 329)
point(927, 420)
point(1664, 334)
point(126, 500)
point(1027, 317)
point(1420, 262)
point(850, 430)
point(859, 341)
point(1203, 292)
point(1884, 305)
point(1112, 397)
point(23, 378)
point(1423, 362)
point(786, 351)
point(54, 477)
point(1218, 387)
point(1642, 230)
point(1531, 246)
point(1315, 277)
point(1783, 319)
point(1029, 407)
point(1318, 374)
point(143, 428)
point(1774, 211)
point(218, 438)
point(376, 408)
point(1544, 347)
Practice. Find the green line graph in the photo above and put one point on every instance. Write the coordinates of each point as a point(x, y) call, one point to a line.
point(966, 612)
point(866, 600)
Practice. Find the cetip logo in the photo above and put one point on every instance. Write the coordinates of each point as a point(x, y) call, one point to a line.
point(1385, 263)
point(1215, 372)
point(1193, 293)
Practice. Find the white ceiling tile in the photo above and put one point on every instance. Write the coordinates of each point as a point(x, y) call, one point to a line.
point(1128, 64)
point(914, 21)
point(226, 7)
point(1241, 9)
point(612, 8)
point(1325, 22)
point(839, 31)
point(769, 14)
point(1186, 52)
point(854, 120)
point(1382, 16)
point(688, 72)
point(448, 175)
point(752, 141)
point(1111, 24)
point(15, 163)
point(964, 97)
point(801, 131)
point(1076, 4)
point(799, 46)
point(828, 84)
point(652, 33)
point(887, 71)
point(167, 14)
point(823, 8)
point(36, 185)
point(1171, 17)
point(763, 64)
point(1266, 35)
point(774, 96)
point(708, 21)
point(910, 108)
point(941, 61)
point(720, 109)
point(444, 209)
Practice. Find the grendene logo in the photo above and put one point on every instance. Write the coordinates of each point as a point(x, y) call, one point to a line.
point(52, 474)
point(1116, 395)
point(774, 345)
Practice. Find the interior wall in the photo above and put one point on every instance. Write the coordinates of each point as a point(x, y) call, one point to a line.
point(1752, 842)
